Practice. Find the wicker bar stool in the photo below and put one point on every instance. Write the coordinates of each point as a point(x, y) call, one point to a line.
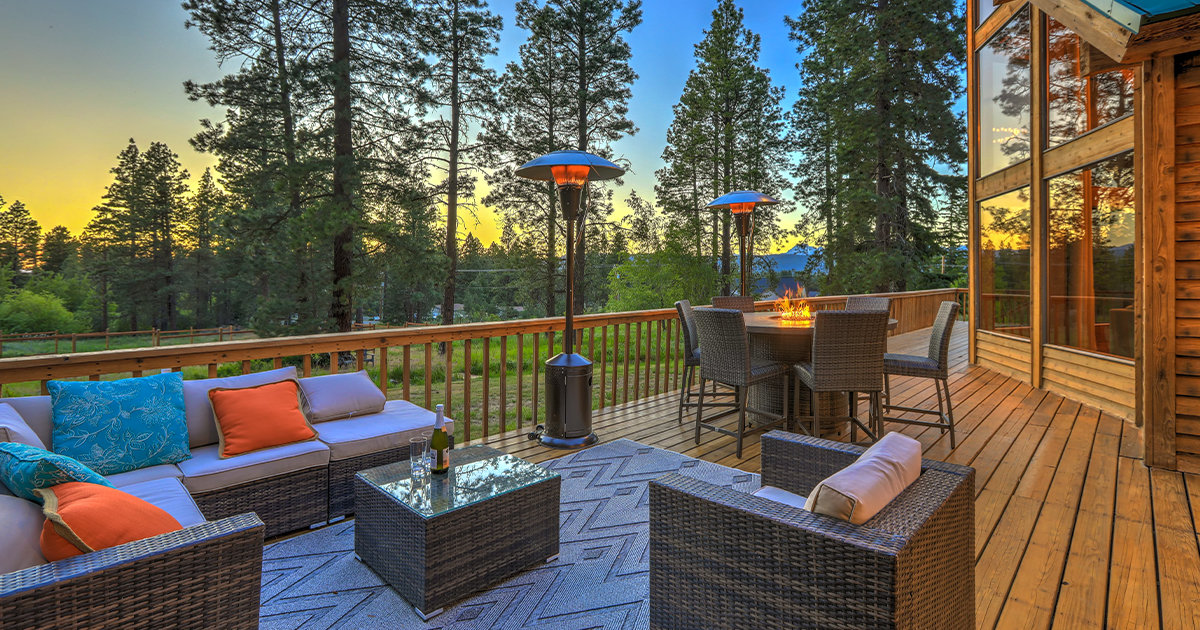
point(741, 303)
point(868, 303)
point(691, 359)
point(725, 358)
point(847, 356)
point(935, 365)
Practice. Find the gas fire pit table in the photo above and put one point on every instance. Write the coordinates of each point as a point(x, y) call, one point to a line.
point(439, 538)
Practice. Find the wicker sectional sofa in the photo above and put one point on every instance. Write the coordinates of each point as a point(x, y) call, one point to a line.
point(211, 569)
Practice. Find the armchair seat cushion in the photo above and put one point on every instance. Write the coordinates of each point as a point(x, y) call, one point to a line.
point(206, 471)
point(149, 473)
point(168, 494)
point(762, 369)
point(911, 365)
point(779, 495)
point(363, 435)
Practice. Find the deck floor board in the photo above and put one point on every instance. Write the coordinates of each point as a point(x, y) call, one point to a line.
point(1072, 530)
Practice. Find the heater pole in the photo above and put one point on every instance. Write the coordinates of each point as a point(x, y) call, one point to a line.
point(569, 199)
point(743, 225)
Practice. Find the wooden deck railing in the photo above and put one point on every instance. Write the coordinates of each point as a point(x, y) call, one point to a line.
point(483, 385)
point(153, 337)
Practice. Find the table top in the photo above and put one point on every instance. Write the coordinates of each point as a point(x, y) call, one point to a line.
point(771, 322)
point(477, 473)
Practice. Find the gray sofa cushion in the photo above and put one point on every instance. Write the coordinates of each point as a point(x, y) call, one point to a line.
point(202, 425)
point(35, 410)
point(341, 396)
point(170, 495)
point(149, 473)
point(391, 428)
point(13, 428)
point(20, 534)
point(206, 471)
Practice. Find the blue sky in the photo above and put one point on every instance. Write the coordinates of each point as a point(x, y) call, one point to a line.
point(81, 77)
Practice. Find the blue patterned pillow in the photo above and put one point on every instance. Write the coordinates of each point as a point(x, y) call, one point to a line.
point(24, 468)
point(116, 426)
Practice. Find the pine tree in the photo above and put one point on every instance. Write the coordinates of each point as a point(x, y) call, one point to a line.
point(880, 144)
point(19, 237)
point(58, 249)
point(198, 230)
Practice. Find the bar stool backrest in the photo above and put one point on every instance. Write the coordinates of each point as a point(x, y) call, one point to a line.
point(725, 346)
point(687, 324)
point(847, 351)
point(741, 303)
point(868, 303)
point(939, 337)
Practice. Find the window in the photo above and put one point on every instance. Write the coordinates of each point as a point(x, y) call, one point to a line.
point(1076, 103)
point(1004, 234)
point(985, 8)
point(1091, 271)
point(1004, 96)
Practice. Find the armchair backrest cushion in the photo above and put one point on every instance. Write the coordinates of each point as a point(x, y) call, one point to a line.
point(20, 534)
point(13, 428)
point(201, 424)
point(335, 396)
point(35, 411)
point(860, 490)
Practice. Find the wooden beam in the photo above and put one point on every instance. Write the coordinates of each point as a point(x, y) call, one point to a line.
point(1093, 26)
point(1091, 147)
point(1092, 60)
point(1157, 216)
point(1162, 39)
point(972, 173)
point(1040, 252)
point(1002, 181)
point(994, 22)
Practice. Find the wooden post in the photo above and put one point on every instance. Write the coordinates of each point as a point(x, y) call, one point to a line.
point(1038, 210)
point(405, 369)
point(487, 392)
point(74, 338)
point(383, 369)
point(466, 413)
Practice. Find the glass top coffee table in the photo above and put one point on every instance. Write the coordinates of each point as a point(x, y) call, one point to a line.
point(439, 538)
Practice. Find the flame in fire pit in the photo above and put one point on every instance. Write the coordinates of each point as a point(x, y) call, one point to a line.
point(793, 308)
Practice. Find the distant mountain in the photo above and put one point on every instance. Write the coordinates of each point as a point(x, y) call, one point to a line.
point(795, 259)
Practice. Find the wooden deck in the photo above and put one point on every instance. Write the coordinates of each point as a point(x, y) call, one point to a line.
point(1072, 530)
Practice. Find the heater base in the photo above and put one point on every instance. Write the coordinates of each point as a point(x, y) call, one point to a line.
point(575, 442)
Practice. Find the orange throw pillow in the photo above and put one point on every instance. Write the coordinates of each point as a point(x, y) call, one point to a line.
point(82, 517)
point(253, 418)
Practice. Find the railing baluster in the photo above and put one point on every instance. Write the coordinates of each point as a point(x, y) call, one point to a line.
point(360, 359)
point(658, 355)
point(406, 372)
point(449, 354)
point(307, 363)
point(603, 360)
point(520, 381)
point(383, 369)
point(429, 376)
point(278, 362)
point(334, 359)
point(466, 414)
point(212, 370)
point(637, 363)
point(534, 405)
point(616, 344)
point(487, 390)
point(245, 367)
point(625, 384)
point(504, 382)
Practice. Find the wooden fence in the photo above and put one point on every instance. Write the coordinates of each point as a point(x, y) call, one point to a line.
point(155, 337)
point(635, 355)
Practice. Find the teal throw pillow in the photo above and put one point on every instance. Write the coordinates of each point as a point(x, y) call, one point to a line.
point(117, 426)
point(24, 468)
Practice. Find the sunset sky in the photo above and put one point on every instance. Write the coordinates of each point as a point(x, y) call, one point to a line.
point(81, 77)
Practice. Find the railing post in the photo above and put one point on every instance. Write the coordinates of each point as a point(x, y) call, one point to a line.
point(383, 369)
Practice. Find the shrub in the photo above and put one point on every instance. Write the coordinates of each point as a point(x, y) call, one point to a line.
point(26, 311)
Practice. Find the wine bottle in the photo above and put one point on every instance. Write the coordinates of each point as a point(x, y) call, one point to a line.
point(439, 443)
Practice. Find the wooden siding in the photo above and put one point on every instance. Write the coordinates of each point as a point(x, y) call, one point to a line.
point(1186, 185)
point(1103, 382)
point(1071, 530)
point(1004, 354)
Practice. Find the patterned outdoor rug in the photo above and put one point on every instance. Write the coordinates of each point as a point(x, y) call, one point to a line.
point(601, 579)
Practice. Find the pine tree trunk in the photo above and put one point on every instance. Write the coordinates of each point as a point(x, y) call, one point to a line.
point(551, 249)
point(582, 142)
point(343, 166)
point(452, 177)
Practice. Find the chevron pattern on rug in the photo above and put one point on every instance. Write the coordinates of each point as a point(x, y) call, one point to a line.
point(600, 580)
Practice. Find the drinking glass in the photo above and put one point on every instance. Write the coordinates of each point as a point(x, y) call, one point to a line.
point(418, 455)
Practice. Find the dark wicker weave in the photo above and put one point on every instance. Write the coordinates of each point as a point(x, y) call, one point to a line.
point(868, 303)
point(691, 353)
point(847, 356)
point(725, 358)
point(741, 303)
point(936, 366)
point(285, 503)
point(341, 477)
point(723, 559)
point(204, 576)
point(433, 562)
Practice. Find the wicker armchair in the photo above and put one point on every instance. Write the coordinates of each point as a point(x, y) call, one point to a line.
point(720, 558)
point(935, 365)
point(725, 359)
point(204, 576)
point(847, 356)
point(868, 303)
point(743, 303)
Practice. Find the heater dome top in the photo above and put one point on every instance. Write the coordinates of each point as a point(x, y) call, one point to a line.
point(540, 167)
point(743, 196)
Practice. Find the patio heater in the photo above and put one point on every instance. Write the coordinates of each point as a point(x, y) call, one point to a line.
point(569, 375)
point(741, 203)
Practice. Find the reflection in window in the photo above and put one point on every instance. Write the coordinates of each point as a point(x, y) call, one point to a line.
point(1078, 104)
point(1004, 263)
point(1004, 96)
point(1091, 273)
point(985, 8)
